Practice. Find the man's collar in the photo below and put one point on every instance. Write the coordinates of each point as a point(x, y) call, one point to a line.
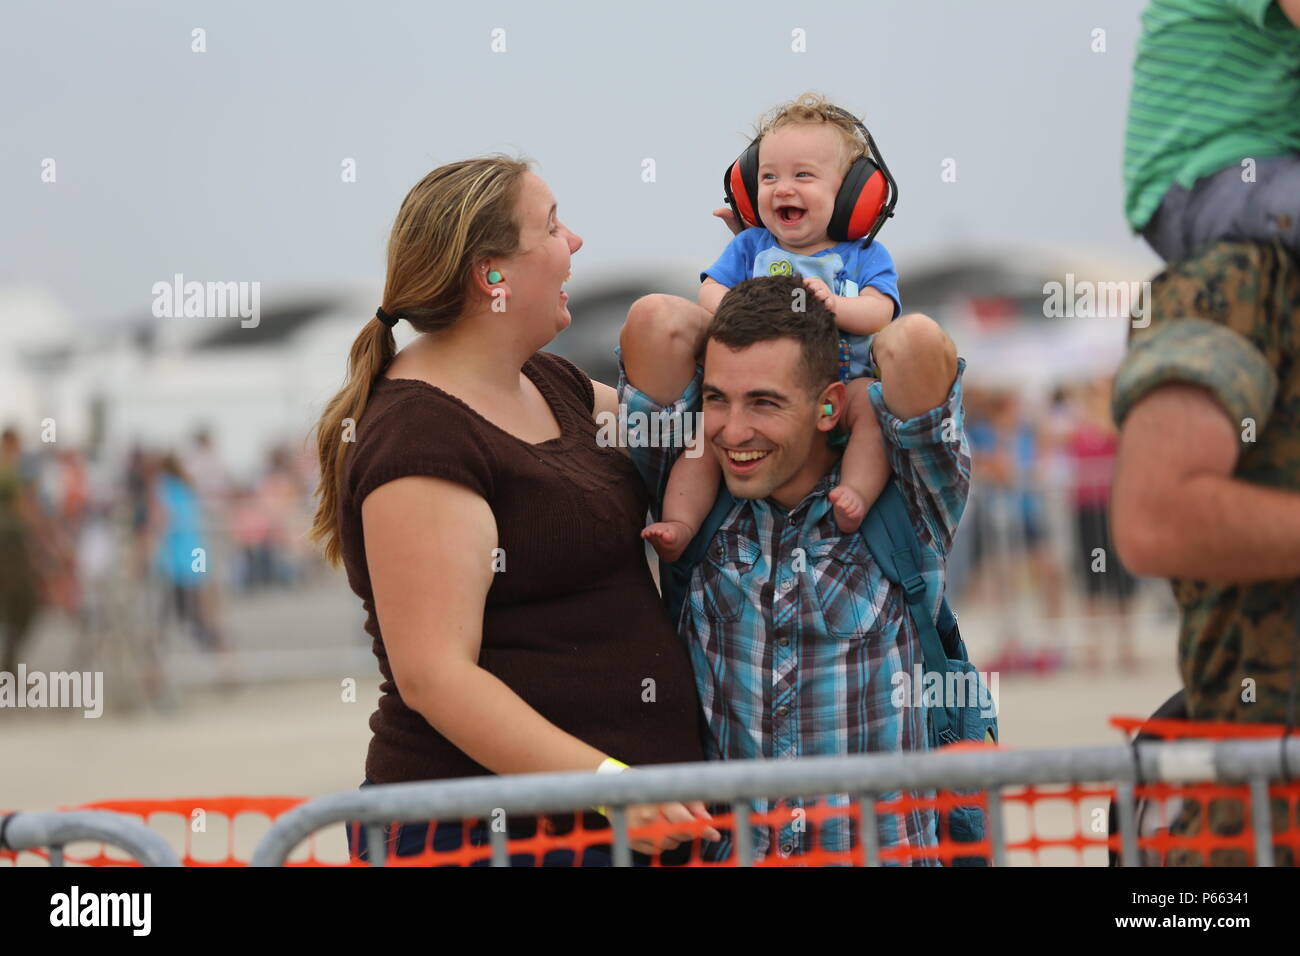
point(825, 484)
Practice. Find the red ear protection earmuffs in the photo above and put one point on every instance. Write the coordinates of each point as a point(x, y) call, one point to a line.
point(866, 198)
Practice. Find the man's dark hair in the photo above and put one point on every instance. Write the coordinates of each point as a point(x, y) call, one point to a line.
point(779, 307)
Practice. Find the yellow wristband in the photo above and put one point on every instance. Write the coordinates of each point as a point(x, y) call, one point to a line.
point(609, 765)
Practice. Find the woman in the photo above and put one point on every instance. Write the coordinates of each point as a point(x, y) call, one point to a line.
point(494, 544)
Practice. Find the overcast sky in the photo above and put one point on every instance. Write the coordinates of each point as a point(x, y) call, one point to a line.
point(225, 165)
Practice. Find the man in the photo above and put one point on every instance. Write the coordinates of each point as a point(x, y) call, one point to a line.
point(1207, 489)
point(20, 517)
point(794, 632)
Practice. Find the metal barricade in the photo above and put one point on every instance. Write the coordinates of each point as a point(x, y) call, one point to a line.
point(1249, 766)
point(55, 830)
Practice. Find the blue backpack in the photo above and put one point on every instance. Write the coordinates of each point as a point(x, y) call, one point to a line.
point(893, 543)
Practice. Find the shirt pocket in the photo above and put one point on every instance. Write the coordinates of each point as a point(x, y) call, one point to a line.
point(724, 576)
point(839, 576)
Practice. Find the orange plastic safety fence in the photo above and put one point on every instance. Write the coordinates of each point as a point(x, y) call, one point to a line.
point(195, 828)
point(1056, 824)
point(548, 842)
point(1169, 728)
point(1229, 808)
point(1231, 814)
point(1043, 825)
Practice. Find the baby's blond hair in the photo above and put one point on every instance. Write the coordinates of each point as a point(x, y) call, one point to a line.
point(812, 108)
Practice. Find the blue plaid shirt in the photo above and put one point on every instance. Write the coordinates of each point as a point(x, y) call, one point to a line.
point(794, 632)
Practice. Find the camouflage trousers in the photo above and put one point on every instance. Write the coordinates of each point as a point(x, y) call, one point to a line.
point(1273, 671)
point(1268, 659)
point(1227, 818)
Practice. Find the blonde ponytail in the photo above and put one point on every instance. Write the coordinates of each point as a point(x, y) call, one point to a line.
point(373, 349)
point(458, 215)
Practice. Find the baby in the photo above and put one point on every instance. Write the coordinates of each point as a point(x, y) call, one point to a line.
point(1212, 149)
point(805, 149)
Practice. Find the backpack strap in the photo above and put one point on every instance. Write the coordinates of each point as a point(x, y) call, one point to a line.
point(893, 543)
point(675, 576)
point(892, 540)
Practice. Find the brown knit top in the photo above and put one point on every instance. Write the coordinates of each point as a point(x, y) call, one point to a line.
point(573, 624)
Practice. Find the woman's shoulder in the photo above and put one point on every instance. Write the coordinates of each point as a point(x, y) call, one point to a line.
point(413, 411)
point(409, 428)
point(568, 376)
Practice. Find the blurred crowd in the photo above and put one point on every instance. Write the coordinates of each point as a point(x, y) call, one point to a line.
point(161, 540)
point(146, 545)
point(1037, 525)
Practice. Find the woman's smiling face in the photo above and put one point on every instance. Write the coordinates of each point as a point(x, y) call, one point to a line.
point(800, 169)
point(536, 274)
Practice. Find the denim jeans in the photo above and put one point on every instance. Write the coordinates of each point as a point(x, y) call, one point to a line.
point(1222, 206)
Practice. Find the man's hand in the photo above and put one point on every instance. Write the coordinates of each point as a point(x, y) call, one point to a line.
point(822, 291)
point(648, 814)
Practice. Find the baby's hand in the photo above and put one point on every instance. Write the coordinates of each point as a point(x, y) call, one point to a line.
point(729, 217)
point(823, 293)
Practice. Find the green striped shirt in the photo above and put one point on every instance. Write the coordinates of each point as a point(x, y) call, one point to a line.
point(1215, 82)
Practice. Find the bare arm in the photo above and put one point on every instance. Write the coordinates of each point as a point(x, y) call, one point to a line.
point(605, 408)
point(711, 293)
point(864, 314)
point(1176, 510)
point(1292, 10)
point(857, 410)
point(429, 546)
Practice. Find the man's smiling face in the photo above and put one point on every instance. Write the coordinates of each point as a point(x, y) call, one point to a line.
point(761, 420)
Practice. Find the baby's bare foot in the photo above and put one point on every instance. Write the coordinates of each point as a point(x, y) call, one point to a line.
point(668, 538)
point(849, 507)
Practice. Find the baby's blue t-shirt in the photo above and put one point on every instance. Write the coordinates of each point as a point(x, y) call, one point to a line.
point(846, 268)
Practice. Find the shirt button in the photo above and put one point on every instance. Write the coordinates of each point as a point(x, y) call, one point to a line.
point(787, 848)
point(783, 642)
point(782, 711)
point(785, 585)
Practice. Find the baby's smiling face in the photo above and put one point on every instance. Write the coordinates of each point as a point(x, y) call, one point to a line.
point(800, 169)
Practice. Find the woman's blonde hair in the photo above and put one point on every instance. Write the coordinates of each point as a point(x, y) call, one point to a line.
point(455, 217)
point(812, 108)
